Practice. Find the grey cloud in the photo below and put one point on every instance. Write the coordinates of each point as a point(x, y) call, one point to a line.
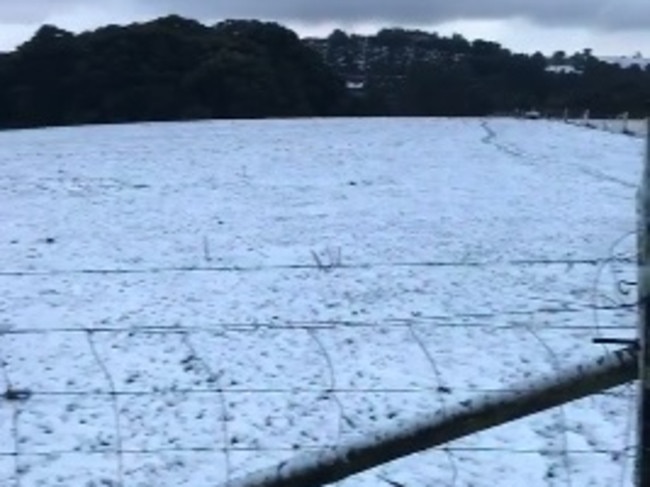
point(40, 11)
point(606, 14)
point(32, 11)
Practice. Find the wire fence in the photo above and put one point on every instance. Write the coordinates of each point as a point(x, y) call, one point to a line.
point(193, 419)
point(619, 125)
point(149, 402)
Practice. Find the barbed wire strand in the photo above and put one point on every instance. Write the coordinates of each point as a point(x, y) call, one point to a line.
point(453, 321)
point(593, 261)
point(629, 450)
point(294, 390)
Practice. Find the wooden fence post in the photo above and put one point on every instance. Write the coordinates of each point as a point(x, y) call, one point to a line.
point(626, 123)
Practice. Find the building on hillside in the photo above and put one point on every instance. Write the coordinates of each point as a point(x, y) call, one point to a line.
point(355, 84)
point(563, 69)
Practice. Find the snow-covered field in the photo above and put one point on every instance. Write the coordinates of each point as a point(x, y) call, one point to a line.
point(187, 303)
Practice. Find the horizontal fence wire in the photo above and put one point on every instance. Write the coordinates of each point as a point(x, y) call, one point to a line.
point(320, 267)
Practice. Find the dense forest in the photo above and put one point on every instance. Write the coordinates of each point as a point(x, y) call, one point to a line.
point(178, 69)
point(168, 69)
point(417, 73)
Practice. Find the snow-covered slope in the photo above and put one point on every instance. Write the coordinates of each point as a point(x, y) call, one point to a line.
point(166, 296)
point(627, 61)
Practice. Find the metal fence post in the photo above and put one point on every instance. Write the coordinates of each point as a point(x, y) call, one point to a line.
point(643, 243)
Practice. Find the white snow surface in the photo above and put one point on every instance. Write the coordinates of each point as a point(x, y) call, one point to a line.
point(627, 61)
point(160, 297)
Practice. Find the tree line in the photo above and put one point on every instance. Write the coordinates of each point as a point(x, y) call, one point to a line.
point(410, 72)
point(174, 68)
point(168, 69)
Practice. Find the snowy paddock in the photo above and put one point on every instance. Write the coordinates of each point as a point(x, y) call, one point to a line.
point(186, 303)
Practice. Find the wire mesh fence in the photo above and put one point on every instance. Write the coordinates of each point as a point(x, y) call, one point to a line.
point(120, 403)
point(144, 373)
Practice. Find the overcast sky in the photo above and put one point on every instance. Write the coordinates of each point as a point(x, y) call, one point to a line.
point(607, 26)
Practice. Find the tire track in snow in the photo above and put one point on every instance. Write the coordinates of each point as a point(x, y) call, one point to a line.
point(601, 176)
point(491, 138)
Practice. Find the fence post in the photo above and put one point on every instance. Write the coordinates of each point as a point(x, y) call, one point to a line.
point(643, 244)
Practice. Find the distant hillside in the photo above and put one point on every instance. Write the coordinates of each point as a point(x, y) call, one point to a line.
point(179, 69)
point(410, 72)
point(168, 69)
point(627, 61)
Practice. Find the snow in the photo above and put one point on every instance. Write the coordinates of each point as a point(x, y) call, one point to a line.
point(160, 295)
point(627, 61)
